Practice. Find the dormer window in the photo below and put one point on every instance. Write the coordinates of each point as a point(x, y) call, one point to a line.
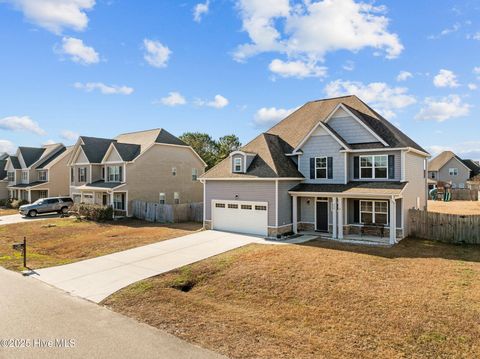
point(24, 176)
point(237, 165)
point(11, 176)
point(114, 173)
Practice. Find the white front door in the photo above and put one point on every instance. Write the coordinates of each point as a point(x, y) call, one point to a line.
point(240, 216)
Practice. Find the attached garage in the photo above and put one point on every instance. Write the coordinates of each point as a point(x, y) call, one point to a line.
point(240, 216)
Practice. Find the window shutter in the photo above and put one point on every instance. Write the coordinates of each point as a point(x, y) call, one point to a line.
point(356, 167)
point(391, 166)
point(330, 167)
point(312, 168)
point(356, 211)
point(79, 178)
point(121, 173)
point(108, 174)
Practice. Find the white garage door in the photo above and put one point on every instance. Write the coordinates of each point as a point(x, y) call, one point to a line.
point(240, 216)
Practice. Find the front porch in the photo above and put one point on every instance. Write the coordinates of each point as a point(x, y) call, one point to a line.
point(102, 195)
point(26, 193)
point(365, 216)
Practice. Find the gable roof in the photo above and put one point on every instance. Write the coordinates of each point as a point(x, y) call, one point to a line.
point(15, 162)
point(436, 163)
point(147, 137)
point(3, 171)
point(31, 155)
point(475, 168)
point(127, 151)
point(4, 156)
point(49, 159)
point(95, 148)
point(272, 146)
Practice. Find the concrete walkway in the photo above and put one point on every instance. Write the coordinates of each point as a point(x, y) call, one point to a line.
point(97, 278)
point(17, 218)
point(37, 313)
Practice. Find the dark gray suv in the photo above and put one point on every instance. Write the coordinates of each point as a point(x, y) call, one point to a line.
point(47, 205)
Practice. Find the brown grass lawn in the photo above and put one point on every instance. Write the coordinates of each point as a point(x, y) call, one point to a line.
point(455, 207)
point(6, 212)
point(61, 241)
point(418, 299)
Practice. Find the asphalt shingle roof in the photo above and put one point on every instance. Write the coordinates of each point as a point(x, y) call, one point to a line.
point(49, 159)
point(436, 163)
point(15, 162)
point(95, 148)
point(31, 154)
point(127, 151)
point(386, 188)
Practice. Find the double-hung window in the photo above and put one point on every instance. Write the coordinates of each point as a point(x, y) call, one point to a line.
point(194, 174)
point(114, 173)
point(374, 166)
point(42, 175)
point(321, 167)
point(374, 212)
point(82, 174)
point(11, 176)
point(25, 176)
point(162, 198)
point(176, 197)
point(453, 171)
point(237, 165)
point(119, 201)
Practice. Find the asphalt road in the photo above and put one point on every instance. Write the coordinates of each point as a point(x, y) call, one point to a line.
point(35, 314)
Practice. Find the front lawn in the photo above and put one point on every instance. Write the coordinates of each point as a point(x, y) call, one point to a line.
point(418, 299)
point(62, 241)
point(7, 212)
point(454, 207)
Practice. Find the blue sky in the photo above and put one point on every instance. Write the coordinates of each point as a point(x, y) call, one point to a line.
point(104, 67)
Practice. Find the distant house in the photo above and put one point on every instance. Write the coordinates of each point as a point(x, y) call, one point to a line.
point(37, 172)
point(3, 176)
point(152, 165)
point(448, 168)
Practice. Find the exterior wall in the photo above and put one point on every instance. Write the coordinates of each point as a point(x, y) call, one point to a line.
point(416, 187)
point(285, 202)
point(398, 165)
point(350, 129)
point(113, 157)
point(350, 210)
point(263, 191)
point(76, 182)
point(17, 174)
point(463, 173)
point(321, 144)
point(3, 190)
point(151, 173)
point(96, 172)
point(58, 178)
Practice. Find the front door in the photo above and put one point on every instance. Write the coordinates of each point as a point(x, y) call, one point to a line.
point(322, 216)
point(105, 199)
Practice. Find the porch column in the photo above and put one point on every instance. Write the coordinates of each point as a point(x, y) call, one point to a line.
point(340, 218)
point(334, 213)
point(29, 194)
point(393, 220)
point(294, 214)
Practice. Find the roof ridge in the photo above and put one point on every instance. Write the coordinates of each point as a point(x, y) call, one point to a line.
point(140, 131)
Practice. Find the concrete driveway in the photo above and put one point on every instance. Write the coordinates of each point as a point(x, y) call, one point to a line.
point(17, 218)
point(97, 278)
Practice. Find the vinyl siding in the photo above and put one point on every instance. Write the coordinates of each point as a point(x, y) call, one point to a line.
point(350, 210)
point(307, 210)
point(417, 184)
point(322, 146)
point(285, 202)
point(351, 130)
point(463, 172)
point(58, 177)
point(3, 190)
point(114, 156)
point(261, 191)
point(398, 165)
point(232, 161)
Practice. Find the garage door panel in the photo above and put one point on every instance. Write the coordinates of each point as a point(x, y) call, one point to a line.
point(240, 216)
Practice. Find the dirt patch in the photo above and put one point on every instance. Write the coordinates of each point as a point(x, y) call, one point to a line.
point(62, 241)
point(455, 207)
point(419, 299)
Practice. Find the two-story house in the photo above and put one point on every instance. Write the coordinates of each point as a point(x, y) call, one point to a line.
point(334, 166)
point(38, 172)
point(3, 176)
point(448, 168)
point(151, 165)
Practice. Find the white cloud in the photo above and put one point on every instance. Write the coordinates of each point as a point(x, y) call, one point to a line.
point(104, 89)
point(21, 123)
point(381, 96)
point(268, 116)
point(7, 146)
point(173, 99)
point(404, 76)
point(56, 15)
point(311, 29)
point(298, 69)
point(349, 66)
point(445, 78)
point(472, 87)
point(475, 36)
point(156, 54)
point(476, 71)
point(444, 32)
point(78, 51)
point(218, 102)
point(69, 135)
point(199, 10)
point(443, 109)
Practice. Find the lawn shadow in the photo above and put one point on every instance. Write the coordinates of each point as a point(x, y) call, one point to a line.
point(407, 248)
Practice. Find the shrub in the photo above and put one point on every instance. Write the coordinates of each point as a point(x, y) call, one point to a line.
point(93, 212)
point(18, 202)
point(4, 203)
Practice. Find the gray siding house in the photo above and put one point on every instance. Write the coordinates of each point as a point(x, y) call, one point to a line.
point(448, 168)
point(333, 166)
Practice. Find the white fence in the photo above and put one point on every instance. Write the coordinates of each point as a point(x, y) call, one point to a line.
point(168, 213)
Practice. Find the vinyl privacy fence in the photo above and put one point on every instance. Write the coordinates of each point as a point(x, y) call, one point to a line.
point(168, 213)
point(449, 228)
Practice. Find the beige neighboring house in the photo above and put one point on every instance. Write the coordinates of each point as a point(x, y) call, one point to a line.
point(38, 172)
point(3, 177)
point(151, 165)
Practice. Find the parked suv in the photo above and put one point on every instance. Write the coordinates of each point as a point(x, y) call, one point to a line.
point(47, 205)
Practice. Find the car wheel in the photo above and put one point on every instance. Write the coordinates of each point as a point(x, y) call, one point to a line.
point(32, 213)
point(64, 210)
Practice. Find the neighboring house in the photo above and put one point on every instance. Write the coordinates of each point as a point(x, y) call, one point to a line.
point(449, 168)
point(38, 172)
point(151, 165)
point(334, 166)
point(3, 176)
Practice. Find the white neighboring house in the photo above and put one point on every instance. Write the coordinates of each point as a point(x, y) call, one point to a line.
point(333, 166)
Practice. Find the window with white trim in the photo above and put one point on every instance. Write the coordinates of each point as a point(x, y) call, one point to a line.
point(174, 171)
point(82, 174)
point(237, 165)
point(162, 198)
point(176, 197)
point(42, 175)
point(119, 201)
point(42, 194)
point(11, 176)
point(24, 176)
point(194, 174)
point(453, 171)
point(374, 166)
point(321, 167)
point(374, 212)
point(114, 173)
